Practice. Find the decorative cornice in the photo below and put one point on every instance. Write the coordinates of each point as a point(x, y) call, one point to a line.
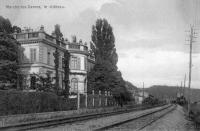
point(31, 65)
point(78, 52)
point(31, 41)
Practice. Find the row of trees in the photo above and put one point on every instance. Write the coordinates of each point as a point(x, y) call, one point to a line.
point(105, 74)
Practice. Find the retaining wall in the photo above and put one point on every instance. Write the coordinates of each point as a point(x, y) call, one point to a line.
point(12, 120)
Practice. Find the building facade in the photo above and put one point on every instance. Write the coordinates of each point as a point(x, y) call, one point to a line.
point(141, 95)
point(38, 50)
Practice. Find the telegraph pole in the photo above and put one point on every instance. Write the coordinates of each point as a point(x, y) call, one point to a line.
point(86, 96)
point(190, 67)
point(184, 86)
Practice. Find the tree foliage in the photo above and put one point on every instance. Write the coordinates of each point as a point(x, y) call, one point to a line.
point(5, 26)
point(57, 32)
point(105, 74)
point(9, 53)
point(151, 100)
point(16, 29)
point(42, 83)
point(56, 61)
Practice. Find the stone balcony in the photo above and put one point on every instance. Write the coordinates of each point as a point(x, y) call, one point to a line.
point(35, 35)
point(76, 47)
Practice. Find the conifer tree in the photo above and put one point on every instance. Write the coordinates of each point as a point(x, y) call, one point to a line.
point(66, 71)
point(59, 36)
point(105, 74)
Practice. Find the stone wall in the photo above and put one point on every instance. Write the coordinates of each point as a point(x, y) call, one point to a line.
point(13, 120)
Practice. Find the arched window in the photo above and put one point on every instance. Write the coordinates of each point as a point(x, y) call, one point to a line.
point(74, 85)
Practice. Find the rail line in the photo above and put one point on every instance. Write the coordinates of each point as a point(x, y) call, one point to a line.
point(59, 121)
point(154, 120)
point(118, 124)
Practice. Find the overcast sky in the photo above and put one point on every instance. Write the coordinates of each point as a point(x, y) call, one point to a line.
point(150, 34)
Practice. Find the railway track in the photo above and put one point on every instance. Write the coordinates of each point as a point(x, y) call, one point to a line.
point(138, 122)
point(60, 121)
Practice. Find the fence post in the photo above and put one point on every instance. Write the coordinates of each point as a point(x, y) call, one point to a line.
point(86, 95)
point(99, 97)
point(106, 98)
point(93, 98)
point(78, 100)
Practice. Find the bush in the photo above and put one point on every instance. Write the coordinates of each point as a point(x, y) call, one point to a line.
point(151, 101)
point(18, 102)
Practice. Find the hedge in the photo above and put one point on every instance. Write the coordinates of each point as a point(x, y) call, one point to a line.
point(18, 102)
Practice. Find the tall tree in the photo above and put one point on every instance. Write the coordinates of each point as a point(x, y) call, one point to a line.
point(56, 61)
point(66, 71)
point(59, 36)
point(9, 53)
point(105, 75)
point(57, 32)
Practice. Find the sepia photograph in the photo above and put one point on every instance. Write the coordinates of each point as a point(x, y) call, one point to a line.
point(99, 65)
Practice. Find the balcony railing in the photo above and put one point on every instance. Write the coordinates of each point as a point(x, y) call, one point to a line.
point(27, 35)
point(33, 35)
point(74, 46)
point(21, 36)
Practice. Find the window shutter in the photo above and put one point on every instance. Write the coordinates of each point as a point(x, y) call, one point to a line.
point(31, 55)
point(79, 63)
point(85, 63)
point(34, 55)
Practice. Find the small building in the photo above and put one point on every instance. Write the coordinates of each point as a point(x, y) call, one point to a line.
point(139, 96)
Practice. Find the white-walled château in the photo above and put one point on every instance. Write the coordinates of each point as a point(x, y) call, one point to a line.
point(37, 58)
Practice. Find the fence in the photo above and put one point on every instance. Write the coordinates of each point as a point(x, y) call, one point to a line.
point(97, 100)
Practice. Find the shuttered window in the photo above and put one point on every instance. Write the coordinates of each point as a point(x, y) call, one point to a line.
point(33, 55)
point(75, 63)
